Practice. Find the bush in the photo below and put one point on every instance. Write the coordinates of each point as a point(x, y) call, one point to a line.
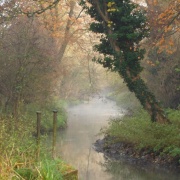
point(143, 134)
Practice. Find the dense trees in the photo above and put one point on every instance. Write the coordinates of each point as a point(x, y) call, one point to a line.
point(37, 55)
point(162, 61)
point(53, 32)
point(25, 63)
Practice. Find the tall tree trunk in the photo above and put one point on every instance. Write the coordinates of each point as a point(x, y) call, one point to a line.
point(67, 33)
point(146, 98)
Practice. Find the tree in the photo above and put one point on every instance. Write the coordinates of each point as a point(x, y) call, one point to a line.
point(123, 25)
point(26, 63)
point(13, 8)
point(66, 31)
point(162, 58)
point(65, 24)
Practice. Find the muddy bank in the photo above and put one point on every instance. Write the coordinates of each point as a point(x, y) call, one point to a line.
point(145, 158)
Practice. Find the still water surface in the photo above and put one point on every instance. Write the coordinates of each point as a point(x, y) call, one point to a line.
point(75, 145)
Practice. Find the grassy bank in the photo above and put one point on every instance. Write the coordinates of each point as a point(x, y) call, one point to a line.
point(18, 149)
point(47, 115)
point(144, 136)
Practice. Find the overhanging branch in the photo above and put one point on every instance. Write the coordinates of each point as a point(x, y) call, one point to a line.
point(42, 10)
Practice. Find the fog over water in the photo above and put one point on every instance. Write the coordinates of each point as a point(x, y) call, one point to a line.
point(75, 145)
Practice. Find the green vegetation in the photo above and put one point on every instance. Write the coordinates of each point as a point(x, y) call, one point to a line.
point(123, 97)
point(120, 48)
point(47, 114)
point(143, 134)
point(18, 149)
point(126, 100)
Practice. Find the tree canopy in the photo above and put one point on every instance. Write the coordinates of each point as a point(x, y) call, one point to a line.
point(123, 25)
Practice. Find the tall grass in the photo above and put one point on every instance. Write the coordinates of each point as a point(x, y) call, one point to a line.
point(18, 148)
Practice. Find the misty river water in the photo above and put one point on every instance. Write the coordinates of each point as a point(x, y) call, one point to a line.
point(75, 145)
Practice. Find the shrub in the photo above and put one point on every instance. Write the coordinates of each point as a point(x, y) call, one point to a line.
point(143, 134)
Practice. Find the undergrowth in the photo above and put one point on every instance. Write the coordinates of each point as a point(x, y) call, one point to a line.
point(18, 149)
point(139, 131)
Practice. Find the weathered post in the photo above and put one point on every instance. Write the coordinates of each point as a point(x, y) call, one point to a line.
point(54, 132)
point(38, 132)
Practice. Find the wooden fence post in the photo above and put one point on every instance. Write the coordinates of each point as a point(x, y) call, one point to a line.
point(38, 132)
point(54, 132)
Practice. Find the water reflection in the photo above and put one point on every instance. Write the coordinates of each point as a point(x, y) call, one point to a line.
point(121, 170)
point(74, 145)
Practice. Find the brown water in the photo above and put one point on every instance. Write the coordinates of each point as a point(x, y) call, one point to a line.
point(75, 145)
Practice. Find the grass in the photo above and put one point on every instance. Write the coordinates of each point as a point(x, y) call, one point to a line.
point(143, 134)
point(17, 147)
point(18, 150)
point(47, 115)
point(47, 169)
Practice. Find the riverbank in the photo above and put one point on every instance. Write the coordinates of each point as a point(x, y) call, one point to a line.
point(139, 141)
point(20, 157)
point(126, 152)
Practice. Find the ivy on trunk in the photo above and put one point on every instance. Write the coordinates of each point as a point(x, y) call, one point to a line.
point(122, 25)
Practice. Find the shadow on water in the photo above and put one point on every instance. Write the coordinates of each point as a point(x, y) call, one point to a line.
point(121, 170)
point(74, 145)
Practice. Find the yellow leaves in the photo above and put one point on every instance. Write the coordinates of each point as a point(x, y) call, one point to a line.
point(110, 4)
point(112, 10)
point(110, 23)
point(111, 7)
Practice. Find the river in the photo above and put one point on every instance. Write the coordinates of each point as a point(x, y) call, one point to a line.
point(75, 145)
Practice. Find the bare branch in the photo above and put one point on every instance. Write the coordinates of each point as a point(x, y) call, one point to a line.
point(42, 10)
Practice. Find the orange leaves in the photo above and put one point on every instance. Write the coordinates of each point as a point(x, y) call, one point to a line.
point(161, 41)
point(168, 28)
point(167, 15)
point(171, 42)
point(150, 63)
point(163, 19)
point(58, 20)
point(152, 2)
point(166, 45)
point(155, 2)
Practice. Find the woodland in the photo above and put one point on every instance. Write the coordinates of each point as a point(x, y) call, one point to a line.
point(45, 44)
point(55, 51)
